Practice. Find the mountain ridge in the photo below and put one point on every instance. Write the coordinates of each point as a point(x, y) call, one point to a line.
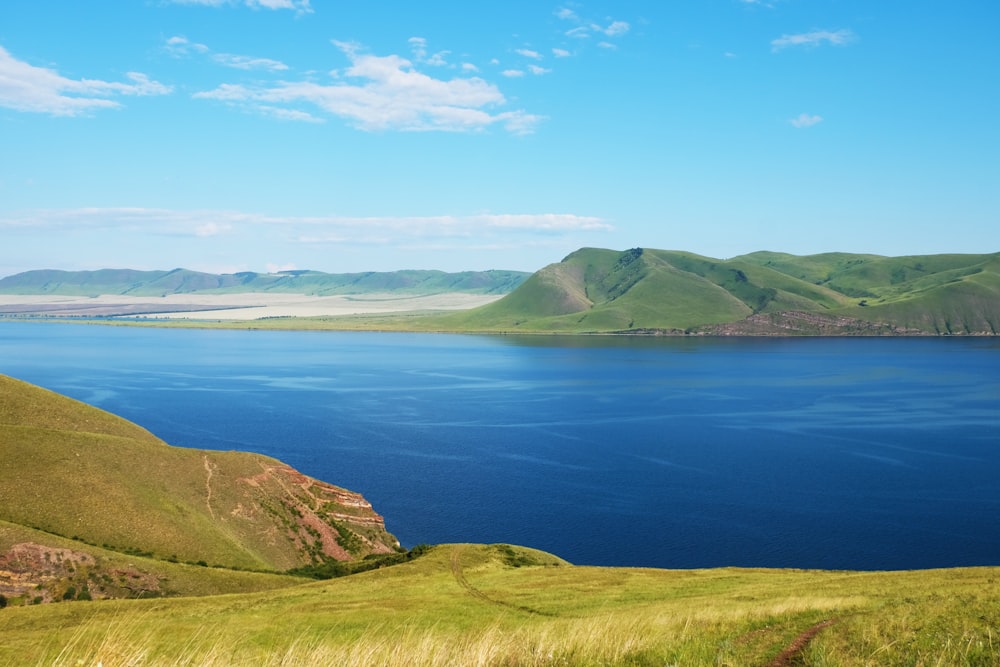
point(644, 290)
point(133, 282)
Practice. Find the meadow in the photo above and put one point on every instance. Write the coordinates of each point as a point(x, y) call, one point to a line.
point(501, 605)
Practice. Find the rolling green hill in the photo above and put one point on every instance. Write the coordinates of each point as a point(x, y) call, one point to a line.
point(73, 471)
point(661, 291)
point(183, 281)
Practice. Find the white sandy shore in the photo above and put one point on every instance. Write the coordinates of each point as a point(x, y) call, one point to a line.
point(247, 306)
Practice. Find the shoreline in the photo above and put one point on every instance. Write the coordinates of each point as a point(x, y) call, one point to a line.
point(247, 306)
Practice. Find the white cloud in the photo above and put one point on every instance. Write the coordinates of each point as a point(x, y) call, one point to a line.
point(469, 67)
point(439, 59)
point(607, 45)
point(289, 114)
point(614, 29)
point(805, 120)
point(387, 93)
point(588, 28)
point(528, 53)
point(561, 53)
point(249, 62)
point(206, 224)
point(814, 39)
point(536, 70)
point(299, 6)
point(211, 239)
point(418, 46)
point(24, 87)
point(513, 73)
point(181, 47)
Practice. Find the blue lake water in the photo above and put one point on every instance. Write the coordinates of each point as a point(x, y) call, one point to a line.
point(837, 453)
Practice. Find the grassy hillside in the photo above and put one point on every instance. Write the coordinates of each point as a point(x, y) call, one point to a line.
point(74, 471)
point(643, 290)
point(37, 567)
point(501, 605)
point(183, 281)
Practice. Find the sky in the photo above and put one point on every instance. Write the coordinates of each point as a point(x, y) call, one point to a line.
point(269, 135)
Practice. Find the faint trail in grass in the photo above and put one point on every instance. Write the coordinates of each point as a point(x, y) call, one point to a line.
point(208, 486)
point(788, 657)
point(459, 573)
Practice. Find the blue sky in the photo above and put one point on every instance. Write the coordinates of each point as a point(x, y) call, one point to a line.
point(229, 135)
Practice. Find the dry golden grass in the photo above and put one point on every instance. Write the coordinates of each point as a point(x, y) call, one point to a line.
point(421, 613)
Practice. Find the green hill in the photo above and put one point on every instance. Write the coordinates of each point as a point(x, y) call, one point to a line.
point(73, 471)
point(502, 605)
point(183, 281)
point(661, 291)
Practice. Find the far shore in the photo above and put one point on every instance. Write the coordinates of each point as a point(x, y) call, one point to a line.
point(245, 306)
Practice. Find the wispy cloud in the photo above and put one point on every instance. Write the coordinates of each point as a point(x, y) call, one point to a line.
point(249, 62)
point(805, 120)
point(387, 93)
point(561, 53)
point(25, 87)
point(585, 28)
point(299, 6)
point(528, 53)
point(814, 39)
point(303, 229)
point(179, 46)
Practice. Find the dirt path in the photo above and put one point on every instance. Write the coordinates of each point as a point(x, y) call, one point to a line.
point(208, 486)
point(459, 574)
point(788, 657)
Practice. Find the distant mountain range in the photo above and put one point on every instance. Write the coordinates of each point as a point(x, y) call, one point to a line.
point(662, 291)
point(638, 291)
point(183, 281)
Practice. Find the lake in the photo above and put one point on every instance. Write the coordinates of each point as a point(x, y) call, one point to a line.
point(839, 453)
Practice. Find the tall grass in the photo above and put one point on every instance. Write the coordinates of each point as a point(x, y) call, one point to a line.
point(464, 605)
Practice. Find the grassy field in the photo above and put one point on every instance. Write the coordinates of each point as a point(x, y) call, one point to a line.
point(500, 605)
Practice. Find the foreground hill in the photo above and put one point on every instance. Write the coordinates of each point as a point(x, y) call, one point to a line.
point(502, 605)
point(661, 291)
point(182, 281)
point(77, 478)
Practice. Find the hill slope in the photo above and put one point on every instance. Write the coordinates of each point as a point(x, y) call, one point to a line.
point(644, 290)
point(182, 281)
point(71, 470)
point(502, 605)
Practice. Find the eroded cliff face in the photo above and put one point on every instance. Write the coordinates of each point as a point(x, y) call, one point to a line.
point(32, 573)
point(81, 489)
point(320, 520)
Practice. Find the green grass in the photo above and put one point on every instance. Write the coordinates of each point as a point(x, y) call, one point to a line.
point(468, 604)
point(71, 470)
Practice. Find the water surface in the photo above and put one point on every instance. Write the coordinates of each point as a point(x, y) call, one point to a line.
point(820, 452)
